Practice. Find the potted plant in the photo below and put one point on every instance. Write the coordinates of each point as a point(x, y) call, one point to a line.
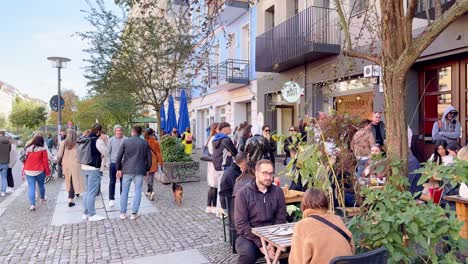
point(178, 166)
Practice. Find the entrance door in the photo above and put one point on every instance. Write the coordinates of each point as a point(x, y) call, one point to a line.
point(441, 85)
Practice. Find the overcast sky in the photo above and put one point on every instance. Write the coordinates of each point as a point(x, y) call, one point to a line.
point(31, 31)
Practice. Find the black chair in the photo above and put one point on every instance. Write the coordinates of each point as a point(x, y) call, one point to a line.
point(378, 256)
point(231, 226)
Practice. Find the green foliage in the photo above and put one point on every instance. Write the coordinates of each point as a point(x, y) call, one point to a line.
point(3, 121)
point(173, 150)
point(27, 115)
point(455, 174)
point(393, 219)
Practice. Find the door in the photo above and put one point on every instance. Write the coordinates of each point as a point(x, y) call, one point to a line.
point(463, 114)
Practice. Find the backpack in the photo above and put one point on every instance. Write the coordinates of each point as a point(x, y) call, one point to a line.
point(23, 155)
point(84, 150)
point(188, 138)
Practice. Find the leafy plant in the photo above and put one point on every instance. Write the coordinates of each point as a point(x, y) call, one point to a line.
point(173, 150)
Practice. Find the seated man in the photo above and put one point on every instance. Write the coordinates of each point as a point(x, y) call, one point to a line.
point(258, 204)
point(229, 177)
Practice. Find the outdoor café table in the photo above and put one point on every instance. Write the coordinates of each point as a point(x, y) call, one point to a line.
point(293, 196)
point(462, 212)
point(279, 243)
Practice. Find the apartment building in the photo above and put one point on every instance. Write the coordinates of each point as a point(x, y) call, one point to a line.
point(301, 70)
point(226, 90)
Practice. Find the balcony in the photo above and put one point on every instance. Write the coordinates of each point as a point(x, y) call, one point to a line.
point(230, 74)
point(227, 11)
point(310, 35)
point(429, 5)
point(177, 92)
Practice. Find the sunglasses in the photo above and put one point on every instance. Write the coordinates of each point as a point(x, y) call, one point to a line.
point(267, 130)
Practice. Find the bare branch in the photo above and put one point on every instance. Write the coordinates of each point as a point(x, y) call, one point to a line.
point(344, 24)
point(370, 57)
point(408, 24)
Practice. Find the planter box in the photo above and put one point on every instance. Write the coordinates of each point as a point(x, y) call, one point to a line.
point(179, 172)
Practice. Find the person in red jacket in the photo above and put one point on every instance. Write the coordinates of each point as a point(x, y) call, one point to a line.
point(36, 168)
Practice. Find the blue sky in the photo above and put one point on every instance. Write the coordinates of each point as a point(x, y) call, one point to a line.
point(31, 31)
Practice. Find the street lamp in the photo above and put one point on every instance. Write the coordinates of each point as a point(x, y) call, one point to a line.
point(59, 63)
point(74, 110)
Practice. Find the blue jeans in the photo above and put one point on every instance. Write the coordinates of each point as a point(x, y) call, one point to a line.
point(92, 182)
point(3, 172)
point(32, 180)
point(127, 180)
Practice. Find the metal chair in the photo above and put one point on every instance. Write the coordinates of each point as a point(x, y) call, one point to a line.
point(378, 256)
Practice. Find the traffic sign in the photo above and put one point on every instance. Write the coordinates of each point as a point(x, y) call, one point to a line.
point(53, 103)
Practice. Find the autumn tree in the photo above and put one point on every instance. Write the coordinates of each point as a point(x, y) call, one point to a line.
point(71, 99)
point(147, 55)
point(390, 23)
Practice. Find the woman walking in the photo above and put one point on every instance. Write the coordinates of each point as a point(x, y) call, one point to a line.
point(74, 183)
point(212, 176)
point(36, 168)
point(156, 159)
point(13, 159)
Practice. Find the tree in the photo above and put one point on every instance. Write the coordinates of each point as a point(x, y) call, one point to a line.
point(147, 55)
point(71, 99)
point(27, 114)
point(391, 23)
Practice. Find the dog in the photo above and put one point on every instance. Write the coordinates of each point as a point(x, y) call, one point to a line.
point(178, 192)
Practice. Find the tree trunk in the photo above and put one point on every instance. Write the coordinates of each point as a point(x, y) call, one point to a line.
point(158, 120)
point(394, 80)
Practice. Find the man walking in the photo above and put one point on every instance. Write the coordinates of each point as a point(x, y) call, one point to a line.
point(137, 160)
point(89, 147)
point(114, 146)
point(5, 148)
point(258, 204)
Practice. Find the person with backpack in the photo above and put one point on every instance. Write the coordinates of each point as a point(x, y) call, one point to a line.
point(156, 160)
point(187, 140)
point(448, 128)
point(90, 157)
point(36, 168)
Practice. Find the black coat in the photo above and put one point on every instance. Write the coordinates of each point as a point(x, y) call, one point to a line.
point(227, 182)
point(221, 142)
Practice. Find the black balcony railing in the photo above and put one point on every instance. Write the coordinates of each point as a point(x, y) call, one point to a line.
point(427, 6)
point(229, 72)
point(311, 34)
point(177, 92)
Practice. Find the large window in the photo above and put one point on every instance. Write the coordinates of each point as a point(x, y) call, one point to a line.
point(358, 6)
point(437, 96)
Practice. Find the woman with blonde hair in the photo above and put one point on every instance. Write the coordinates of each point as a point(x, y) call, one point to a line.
point(67, 155)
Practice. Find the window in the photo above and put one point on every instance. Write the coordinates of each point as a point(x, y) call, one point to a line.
point(296, 6)
point(270, 18)
point(232, 45)
point(245, 44)
point(358, 6)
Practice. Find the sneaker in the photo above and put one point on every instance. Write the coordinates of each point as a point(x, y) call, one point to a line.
point(2, 194)
point(9, 190)
point(134, 217)
point(123, 216)
point(32, 208)
point(96, 218)
point(111, 203)
point(84, 217)
point(208, 209)
point(151, 198)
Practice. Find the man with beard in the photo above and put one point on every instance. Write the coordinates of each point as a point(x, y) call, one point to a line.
point(258, 204)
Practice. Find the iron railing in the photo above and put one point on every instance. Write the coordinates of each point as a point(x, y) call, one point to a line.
point(311, 33)
point(229, 71)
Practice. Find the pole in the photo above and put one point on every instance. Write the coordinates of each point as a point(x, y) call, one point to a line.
point(59, 115)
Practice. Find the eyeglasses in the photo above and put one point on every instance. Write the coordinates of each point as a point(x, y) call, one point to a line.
point(267, 130)
point(267, 173)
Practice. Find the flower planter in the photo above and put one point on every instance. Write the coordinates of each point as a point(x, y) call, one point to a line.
point(179, 172)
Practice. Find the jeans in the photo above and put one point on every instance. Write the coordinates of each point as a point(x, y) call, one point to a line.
point(32, 180)
point(127, 180)
point(247, 250)
point(92, 181)
point(113, 181)
point(361, 165)
point(4, 172)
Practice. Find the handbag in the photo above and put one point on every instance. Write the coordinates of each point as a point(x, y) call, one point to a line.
point(206, 156)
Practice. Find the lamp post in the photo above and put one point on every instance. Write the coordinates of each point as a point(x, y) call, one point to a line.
point(59, 63)
point(74, 110)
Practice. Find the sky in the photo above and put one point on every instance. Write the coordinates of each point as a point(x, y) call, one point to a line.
point(31, 31)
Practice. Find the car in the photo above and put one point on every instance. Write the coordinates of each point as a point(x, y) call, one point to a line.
point(15, 137)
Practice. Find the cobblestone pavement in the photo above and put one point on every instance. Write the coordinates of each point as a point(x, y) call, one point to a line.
point(27, 237)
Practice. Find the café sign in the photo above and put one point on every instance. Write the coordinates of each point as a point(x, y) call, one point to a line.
point(291, 92)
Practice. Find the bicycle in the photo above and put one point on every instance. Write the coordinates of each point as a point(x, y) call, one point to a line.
point(53, 170)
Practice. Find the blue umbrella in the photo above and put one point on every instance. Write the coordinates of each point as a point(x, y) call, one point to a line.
point(184, 119)
point(171, 121)
point(162, 114)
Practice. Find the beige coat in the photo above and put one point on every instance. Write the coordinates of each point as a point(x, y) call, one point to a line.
point(362, 141)
point(313, 242)
point(71, 169)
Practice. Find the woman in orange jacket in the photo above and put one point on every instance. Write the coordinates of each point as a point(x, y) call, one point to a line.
point(157, 160)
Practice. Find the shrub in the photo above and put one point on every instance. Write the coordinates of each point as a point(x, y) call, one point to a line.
point(173, 150)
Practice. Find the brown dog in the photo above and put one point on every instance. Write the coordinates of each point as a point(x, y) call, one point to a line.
point(178, 192)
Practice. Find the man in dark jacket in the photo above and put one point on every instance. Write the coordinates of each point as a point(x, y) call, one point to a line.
point(258, 204)
point(5, 148)
point(229, 177)
point(137, 159)
point(258, 148)
point(222, 143)
point(378, 128)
